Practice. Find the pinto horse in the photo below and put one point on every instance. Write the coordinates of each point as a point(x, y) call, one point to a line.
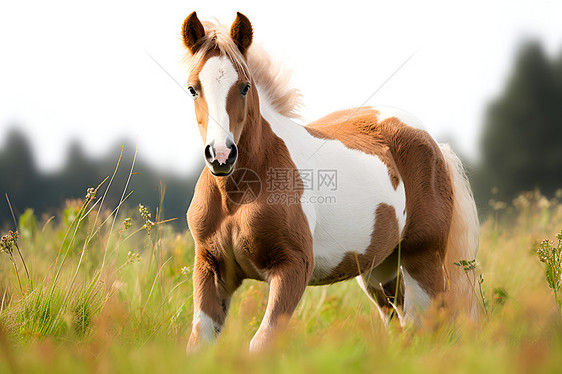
point(362, 193)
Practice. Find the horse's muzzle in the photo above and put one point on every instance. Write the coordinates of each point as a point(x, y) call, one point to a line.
point(221, 160)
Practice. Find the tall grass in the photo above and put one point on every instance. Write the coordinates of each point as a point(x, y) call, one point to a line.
point(110, 291)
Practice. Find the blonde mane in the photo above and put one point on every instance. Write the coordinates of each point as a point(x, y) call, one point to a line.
point(272, 79)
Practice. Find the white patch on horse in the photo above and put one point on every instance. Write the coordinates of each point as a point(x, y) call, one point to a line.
point(416, 300)
point(206, 326)
point(341, 210)
point(217, 77)
point(403, 116)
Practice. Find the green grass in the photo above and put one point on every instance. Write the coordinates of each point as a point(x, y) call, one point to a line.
point(99, 309)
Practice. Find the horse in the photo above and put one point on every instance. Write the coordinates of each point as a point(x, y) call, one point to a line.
point(362, 193)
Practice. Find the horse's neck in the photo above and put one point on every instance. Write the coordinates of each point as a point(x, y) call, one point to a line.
point(265, 141)
point(293, 135)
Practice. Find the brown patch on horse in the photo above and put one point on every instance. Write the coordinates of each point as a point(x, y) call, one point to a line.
point(357, 129)
point(415, 157)
point(429, 202)
point(384, 239)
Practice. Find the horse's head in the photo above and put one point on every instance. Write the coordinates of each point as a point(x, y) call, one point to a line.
point(221, 87)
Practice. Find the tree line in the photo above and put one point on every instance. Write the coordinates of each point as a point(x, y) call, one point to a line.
point(46, 193)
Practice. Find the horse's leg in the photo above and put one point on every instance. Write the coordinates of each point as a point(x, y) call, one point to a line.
point(211, 299)
point(424, 281)
point(286, 286)
point(380, 286)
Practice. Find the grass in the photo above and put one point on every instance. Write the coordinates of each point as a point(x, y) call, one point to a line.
point(109, 294)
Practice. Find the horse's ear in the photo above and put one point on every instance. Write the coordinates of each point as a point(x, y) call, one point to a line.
point(241, 32)
point(192, 32)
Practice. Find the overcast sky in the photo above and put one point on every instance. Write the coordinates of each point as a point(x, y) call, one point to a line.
point(81, 70)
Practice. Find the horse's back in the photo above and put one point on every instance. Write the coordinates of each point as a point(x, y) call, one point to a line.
point(362, 120)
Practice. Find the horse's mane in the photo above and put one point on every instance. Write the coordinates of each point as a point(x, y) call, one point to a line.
point(271, 78)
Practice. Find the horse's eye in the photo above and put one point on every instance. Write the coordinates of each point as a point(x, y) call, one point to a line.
point(192, 91)
point(246, 89)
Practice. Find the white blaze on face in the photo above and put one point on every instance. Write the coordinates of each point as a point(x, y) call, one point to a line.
point(217, 77)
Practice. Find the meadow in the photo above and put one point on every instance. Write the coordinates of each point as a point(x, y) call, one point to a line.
point(108, 289)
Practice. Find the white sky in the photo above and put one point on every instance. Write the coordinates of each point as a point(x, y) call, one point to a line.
point(80, 70)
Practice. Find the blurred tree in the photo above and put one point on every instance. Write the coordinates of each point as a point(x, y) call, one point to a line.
point(522, 139)
point(19, 175)
point(78, 173)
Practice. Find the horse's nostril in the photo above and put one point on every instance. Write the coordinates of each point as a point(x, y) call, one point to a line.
point(233, 153)
point(209, 154)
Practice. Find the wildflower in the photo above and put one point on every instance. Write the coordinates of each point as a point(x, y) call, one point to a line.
point(544, 252)
point(185, 270)
point(144, 212)
point(6, 245)
point(8, 242)
point(91, 193)
point(133, 257)
point(146, 216)
point(466, 265)
point(551, 256)
point(127, 223)
point(470, 266)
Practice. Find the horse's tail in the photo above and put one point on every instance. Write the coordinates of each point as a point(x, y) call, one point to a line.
point(462, 243)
